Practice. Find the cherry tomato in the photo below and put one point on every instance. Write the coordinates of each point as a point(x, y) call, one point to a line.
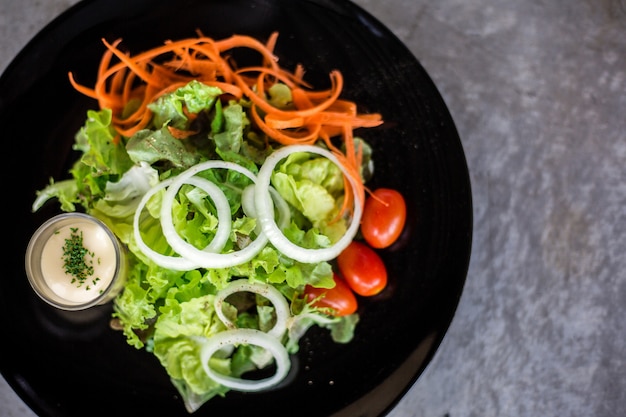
point(383, 219)
point(340, 298)
point(363, 269)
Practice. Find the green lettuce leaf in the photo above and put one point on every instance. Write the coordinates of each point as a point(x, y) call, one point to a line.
point(121, 198)
point(175, 345)
point(159, 145)
point(235, 121)
point(100, 150)
point(196, 97)
point(65, 191)
point(313, 186)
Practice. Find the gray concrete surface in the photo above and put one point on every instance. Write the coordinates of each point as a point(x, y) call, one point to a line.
point(538, 93)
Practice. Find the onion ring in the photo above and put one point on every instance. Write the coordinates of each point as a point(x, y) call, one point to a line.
point(268, 291)
point(223, 215)
point(265, 210)
point(164, 261)
point(249, 337)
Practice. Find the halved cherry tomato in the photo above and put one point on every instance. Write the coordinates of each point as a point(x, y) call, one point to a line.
point(383, 219)
point(340, 298)
point(362, 268)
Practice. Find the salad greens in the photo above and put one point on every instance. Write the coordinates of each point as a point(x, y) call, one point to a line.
point(165, 311)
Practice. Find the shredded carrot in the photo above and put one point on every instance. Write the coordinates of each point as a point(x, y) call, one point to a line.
point(180, 133)
point(314, 115)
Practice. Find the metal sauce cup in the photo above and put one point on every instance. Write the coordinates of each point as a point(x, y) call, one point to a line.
point(74, 261)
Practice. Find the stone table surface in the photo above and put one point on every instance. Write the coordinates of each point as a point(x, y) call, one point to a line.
point(538, 92)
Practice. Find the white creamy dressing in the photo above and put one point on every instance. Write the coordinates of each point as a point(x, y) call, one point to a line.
point(98, 243)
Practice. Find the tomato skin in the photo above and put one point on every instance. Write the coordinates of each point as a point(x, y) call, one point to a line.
point(340, 298)
point(383, 219)
point(363, 269)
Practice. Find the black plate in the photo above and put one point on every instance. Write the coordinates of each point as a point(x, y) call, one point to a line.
point(64, 365)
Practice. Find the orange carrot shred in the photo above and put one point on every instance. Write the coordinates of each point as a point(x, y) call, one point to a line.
point(180, 133)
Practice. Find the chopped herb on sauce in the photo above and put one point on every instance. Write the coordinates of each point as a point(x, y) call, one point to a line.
point(75, 258)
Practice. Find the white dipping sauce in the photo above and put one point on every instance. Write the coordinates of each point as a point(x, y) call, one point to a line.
point(101, 256)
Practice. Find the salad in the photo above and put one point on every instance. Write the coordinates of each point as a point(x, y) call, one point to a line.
point(239, 194)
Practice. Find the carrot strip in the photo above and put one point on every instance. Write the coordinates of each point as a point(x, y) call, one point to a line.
point(286, 138)
point(180, 133)
point(89, 92)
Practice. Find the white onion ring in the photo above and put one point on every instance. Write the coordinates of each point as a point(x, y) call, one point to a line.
point(249, 337)
point(223, 215)
point(164, 261)
point(218, 260)
point(265, 210)
point(268, 291)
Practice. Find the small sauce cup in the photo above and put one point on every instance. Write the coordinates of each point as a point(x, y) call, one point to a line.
point(74, 262)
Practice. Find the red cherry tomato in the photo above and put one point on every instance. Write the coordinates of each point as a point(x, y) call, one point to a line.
point(340, 298)
point(383, 219)
point(363, 269)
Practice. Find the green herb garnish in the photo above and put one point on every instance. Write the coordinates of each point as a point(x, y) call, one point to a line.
point(75, 258)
